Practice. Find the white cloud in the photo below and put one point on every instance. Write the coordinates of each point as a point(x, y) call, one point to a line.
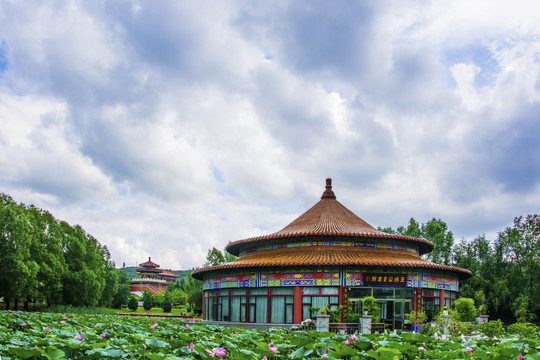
point(165, 131)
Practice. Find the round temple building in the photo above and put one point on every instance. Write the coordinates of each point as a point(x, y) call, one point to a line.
point(325, 258)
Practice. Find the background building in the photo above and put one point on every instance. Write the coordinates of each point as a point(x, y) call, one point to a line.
point(151, 277)
point(326, 257)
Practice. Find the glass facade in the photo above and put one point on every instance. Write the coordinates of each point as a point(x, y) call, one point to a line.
point(257, 305)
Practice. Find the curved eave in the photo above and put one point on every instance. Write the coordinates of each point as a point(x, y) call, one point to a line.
point(425, 246)
point(331, 257)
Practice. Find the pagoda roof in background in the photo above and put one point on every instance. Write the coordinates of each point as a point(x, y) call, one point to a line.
point(149, 263)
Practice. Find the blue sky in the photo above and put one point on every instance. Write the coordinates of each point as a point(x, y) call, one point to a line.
point(167, 130)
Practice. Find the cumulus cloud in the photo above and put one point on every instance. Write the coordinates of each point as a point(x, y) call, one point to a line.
point(167, 130)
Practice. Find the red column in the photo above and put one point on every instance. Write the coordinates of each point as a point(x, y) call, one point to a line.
point(203, 307)
point(297, 313)
point(441, 301)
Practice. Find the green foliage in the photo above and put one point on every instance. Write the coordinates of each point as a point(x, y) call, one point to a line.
point(216, 257)
point(335, 314)
point(369, 304)
point(129, 337)
point(159, 297)
point(47, 259)
point(465, 308)
point(148, 300)
point(523, 329)
point(416, 317)
point(133, 304)
point(193, 288)
point(491, 328)
point(350, 318)
point(166, 306)
point(521, 309)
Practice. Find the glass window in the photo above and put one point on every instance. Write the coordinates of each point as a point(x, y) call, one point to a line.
point(223, 292)
point(306, 299)
point(359, 293)
point(262, 309)
point(311, 290)
point(277, 310)
point(329, 291)
point(238, 292)
point(282, 291)
point(258, 291)
point(235, 308)
point(435, 293)
point(383, 293)
point(426, 292)
point(404, 293)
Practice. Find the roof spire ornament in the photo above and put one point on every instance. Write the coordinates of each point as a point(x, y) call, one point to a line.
point(328, 193)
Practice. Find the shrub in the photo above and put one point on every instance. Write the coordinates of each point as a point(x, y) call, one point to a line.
point(416, 317)
point(133, 304)
point(461, 328)
point(166, 306)
point(148, 300)
point(522, 311)
point(491, 328)
point(428, 330)
point(523, 329)
point(465, 308)
point(350, 318)
point(369, 304)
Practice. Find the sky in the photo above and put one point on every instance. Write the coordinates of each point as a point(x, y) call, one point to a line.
point(165, 129)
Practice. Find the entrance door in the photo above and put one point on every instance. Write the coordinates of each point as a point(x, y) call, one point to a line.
point(401, 307)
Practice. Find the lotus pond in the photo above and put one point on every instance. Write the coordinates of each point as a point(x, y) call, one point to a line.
point(70, 336)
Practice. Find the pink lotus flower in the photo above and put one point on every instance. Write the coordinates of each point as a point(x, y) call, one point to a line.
point(153, 326)
point(468, 350)
point(219, 352)
point(24, 324)
point(422, 348)
point(187, 326)
point(45, 328)
point(353, 337)
point(264, 358)
point(103, 336)
point(347, 342)
point(272, 349)
point(175, 327)
point(78, 338)
point(191, 346)
point(520, 357)
point(324, 356)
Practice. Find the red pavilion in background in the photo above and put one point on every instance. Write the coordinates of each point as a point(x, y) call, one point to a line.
point(151, 277)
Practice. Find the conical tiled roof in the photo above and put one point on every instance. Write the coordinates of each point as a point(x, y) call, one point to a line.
point(329, 217)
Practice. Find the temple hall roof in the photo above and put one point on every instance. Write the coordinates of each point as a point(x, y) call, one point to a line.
point(328, 217)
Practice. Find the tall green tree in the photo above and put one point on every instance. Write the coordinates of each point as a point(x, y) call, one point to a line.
point(17, 270)
point(122, 294)
point(437, 232)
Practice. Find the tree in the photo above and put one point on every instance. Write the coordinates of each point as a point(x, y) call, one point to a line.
point(216, 257)
point(437, 232)
point(148, 300)
point(519, 248)
point(193, 289)
point(122, 295)
point(466, 309)
point(133, 304)
point(166, 305)
point(15, 240)
point(159, 297)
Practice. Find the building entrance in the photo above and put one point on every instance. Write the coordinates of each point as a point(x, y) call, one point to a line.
point(393, 303)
